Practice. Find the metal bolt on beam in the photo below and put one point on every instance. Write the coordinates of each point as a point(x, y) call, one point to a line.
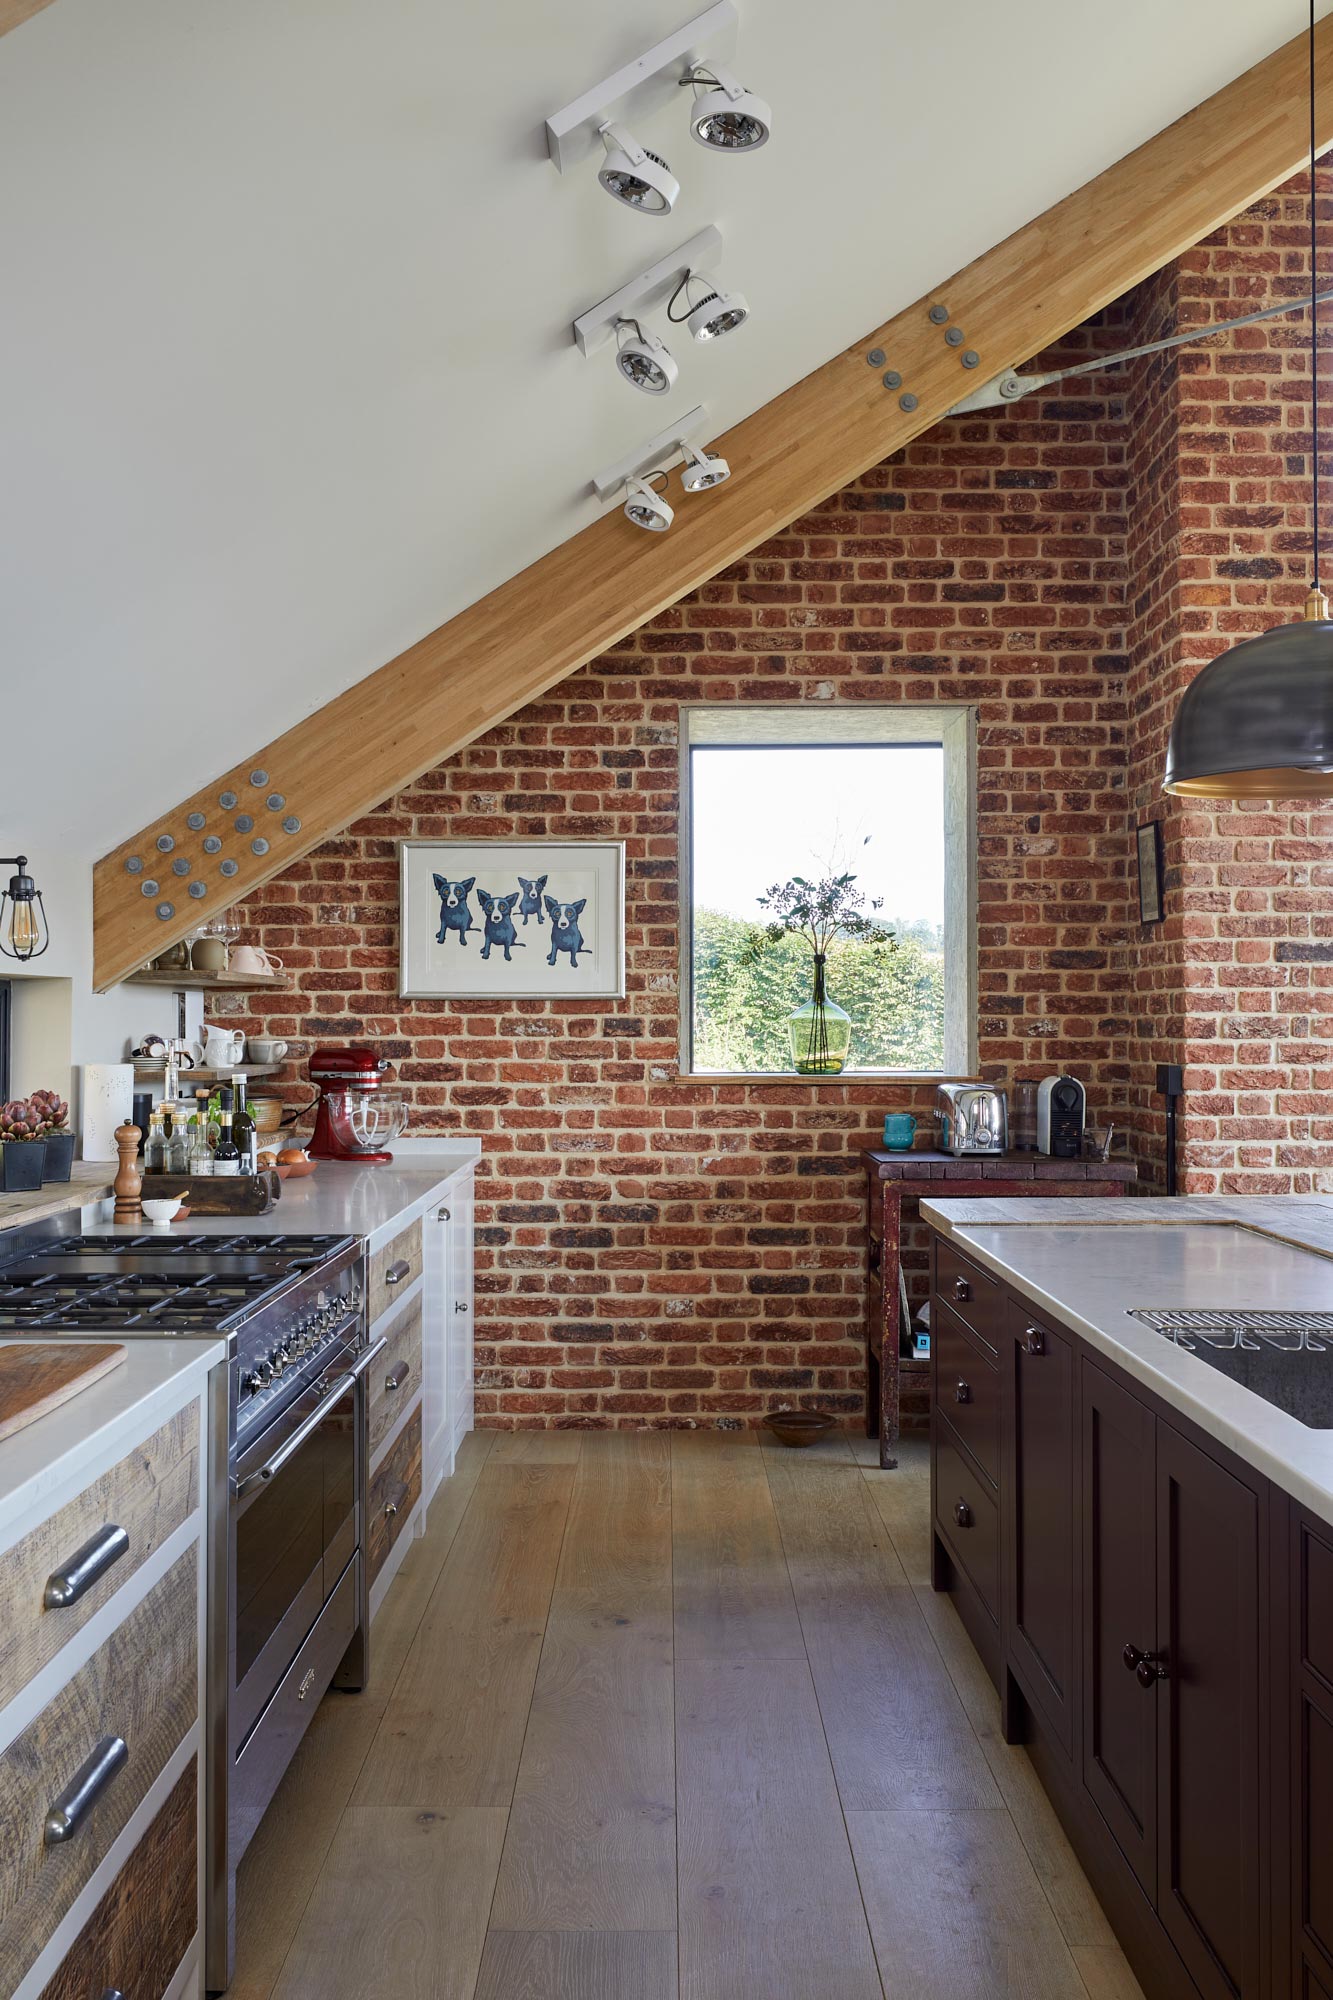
point(938, 315)
point(875, 358)
point(955, 336)
point(907, 401)
point(971, 359)
point(893, 380)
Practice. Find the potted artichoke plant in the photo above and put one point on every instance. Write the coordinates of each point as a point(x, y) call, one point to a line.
point(22, 1147)
point(822, 913)
point(53, 1113)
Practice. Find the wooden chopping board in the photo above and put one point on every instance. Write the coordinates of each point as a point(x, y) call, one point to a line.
point(36, 1376)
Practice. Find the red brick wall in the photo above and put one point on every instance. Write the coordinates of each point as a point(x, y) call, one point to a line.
point(654, 1249)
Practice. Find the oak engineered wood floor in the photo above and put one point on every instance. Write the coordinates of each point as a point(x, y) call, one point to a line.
point(669, 1717)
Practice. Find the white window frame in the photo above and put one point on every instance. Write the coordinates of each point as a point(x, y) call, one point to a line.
point(953, 726)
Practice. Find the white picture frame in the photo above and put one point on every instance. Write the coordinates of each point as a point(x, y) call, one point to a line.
point(576, 954)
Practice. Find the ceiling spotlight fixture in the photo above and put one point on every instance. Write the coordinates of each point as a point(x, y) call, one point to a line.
point(703, 469)
point(643, 359)
point(642, 180)
point(713, 315)
point(645, 506)
point(727, 118)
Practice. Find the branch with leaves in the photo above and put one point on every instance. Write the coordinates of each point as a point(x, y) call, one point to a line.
point(820, 912)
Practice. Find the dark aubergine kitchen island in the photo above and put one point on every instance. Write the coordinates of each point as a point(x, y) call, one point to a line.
point(1132, 1507)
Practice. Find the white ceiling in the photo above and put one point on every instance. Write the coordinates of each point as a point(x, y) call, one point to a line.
point(287, 292)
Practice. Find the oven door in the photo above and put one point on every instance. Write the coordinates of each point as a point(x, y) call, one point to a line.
point(296, 1525)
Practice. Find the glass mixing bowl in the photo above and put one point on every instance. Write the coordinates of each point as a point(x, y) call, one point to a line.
point(375, 1117)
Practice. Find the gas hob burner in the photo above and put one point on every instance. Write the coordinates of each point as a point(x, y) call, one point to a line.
point(295, 1251)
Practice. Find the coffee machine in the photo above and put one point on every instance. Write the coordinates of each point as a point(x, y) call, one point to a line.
point(1062, 1111)
point(354, 1111)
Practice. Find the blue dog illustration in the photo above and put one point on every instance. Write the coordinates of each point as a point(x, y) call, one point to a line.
point(565, 932)
point(455, 915)
point(531, 902)
point(499, 922)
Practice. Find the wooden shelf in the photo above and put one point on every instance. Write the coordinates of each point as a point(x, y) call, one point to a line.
point(153, 1072)
point(183, 978)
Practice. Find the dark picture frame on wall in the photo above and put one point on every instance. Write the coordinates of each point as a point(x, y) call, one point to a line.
point(1149, 839)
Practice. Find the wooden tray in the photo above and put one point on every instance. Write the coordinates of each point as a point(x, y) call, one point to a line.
point(36, 1376)
point(203, 1194)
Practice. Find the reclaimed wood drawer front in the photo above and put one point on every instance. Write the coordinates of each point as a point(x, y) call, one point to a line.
point(148, 1494)
point(395, 1489)
point(142, 1686)
point(970, 1292)
point(967, 1391)
point(967, 1517)
point(393, 1268)
point(141, 1930)
point(399, 1364)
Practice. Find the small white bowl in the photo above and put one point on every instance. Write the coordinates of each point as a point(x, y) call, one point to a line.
point(161, 1211)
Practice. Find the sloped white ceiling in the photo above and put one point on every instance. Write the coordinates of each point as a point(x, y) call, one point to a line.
point(288, 377)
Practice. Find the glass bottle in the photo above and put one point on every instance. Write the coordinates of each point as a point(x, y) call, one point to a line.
point(178, 1141)
point(201, 1153)
point(155, 1145)
point(820, 1032)
point(226, 1155)
point(244, 1130)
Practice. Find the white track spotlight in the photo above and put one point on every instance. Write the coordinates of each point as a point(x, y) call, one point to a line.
point(714, 314)
point(726, 118)
point(643, 359)
point(703, 468)
point(642, 180)
point(645, 506)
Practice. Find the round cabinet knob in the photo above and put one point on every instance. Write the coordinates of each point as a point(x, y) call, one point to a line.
point(962, 1513)
point(961, 1289)
point(1131, 1657)
point(1035, 1340)
point(460, 1305)
point(391, 1508)
point(443, 1215)
point(962, 1392)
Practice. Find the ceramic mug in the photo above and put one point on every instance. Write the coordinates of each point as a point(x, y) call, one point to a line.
point(899, 1131)
point(264, 1050)
point(252, 959)
point(209, 954)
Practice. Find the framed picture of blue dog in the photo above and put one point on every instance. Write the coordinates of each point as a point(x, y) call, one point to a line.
point(512, 919)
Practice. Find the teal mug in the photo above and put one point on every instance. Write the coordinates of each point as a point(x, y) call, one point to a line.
point(899, 1131)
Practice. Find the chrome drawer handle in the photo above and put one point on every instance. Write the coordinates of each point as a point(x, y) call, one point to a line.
point(1035, 1340)
point(397, 1272)
point(74, 1579)
point(961, 1289)
point(113, 1993)
point(962, 1392)
point(396, 1380)
point(316, 1417)
point(85, 1788)
point(962, 1513)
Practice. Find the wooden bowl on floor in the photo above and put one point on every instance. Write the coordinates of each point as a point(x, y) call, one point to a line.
point(799, 1427)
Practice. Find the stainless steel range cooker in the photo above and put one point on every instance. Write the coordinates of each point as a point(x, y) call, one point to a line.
point(288, 1613)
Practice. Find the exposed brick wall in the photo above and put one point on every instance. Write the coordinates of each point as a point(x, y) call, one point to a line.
point(656, 1249)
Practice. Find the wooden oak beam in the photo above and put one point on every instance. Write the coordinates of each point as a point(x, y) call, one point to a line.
point(14, 12)
point(540, 626)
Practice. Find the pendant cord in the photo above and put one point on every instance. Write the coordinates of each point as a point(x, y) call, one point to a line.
point(1313, 305)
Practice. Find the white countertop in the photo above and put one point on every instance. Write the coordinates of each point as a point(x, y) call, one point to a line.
point(59, 1454)
point(1087, 1263)
point(341, 1199)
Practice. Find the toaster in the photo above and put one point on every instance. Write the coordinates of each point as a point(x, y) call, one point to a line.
point(973, 1118)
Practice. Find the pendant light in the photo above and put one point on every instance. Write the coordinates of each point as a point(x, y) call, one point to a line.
point(1257, 722)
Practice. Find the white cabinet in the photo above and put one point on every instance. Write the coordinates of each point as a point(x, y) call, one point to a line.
point(458, 1340)
point(447, 1331)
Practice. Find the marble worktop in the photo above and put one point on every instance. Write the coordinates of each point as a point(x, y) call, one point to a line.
point(48, 1461)
point(1088, 1263)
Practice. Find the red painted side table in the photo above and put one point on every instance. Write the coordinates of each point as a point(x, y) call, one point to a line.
point(895, 1178)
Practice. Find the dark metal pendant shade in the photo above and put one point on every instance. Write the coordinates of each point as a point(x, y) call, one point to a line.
point(1257, 723)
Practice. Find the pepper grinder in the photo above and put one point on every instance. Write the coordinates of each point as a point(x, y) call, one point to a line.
point(129, 1180)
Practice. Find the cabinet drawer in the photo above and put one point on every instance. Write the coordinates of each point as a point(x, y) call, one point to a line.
point(141, 1686)
point(141, 1930)
point(967, 1391)
point(395, 1488)
point(971, 1292)
point(967, 1518)
point(393, 1268)
point(147, 1496)
point(400, 1364)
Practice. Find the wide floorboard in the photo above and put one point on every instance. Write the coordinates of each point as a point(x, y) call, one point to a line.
point(669, 1717)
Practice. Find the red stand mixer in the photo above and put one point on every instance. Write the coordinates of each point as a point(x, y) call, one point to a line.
point(355, 1113)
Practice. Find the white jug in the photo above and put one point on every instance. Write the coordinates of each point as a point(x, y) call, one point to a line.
point(224, 1048)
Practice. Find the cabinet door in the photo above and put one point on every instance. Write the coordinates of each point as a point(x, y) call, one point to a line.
point(458, 1312)
point(1039, 1515)
point(1119, 1751)
point(436, 1295)
point(1207, 1699)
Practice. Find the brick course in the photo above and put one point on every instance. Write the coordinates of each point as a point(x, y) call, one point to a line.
point(656, 1249)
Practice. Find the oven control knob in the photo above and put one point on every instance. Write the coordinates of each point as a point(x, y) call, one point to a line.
point(259, 1378)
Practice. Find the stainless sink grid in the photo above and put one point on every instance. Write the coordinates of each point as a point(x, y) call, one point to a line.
point(1249, 1328)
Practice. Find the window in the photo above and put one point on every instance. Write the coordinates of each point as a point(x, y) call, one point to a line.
point(884, 794)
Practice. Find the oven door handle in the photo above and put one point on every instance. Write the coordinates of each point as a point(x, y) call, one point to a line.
point(315, 1419)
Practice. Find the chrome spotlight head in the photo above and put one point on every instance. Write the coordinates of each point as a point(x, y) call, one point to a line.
point(646, 507)
point(727, 118)
point(719, 313)
point(703, 469)
point(642, 180)
point(644, 360)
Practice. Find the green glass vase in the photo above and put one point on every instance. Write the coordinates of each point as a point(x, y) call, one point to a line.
point(820, 1032)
